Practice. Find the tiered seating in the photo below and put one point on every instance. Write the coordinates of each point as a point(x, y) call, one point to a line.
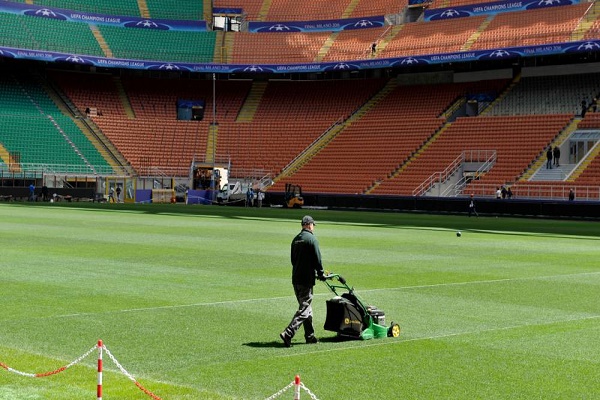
point(46, 34)
point(111, 7)
point(549, 95)
point(432, 37)
point(251, 8)
point(155, 138)
point(290, 117)
point(594, 31)
point(454, 3)
point(277, 48)
point(590, 176)
point(354, 44)
point(141, 44)
point(367, 8)
point(377, 144)
point(157, 98)
point(591, 120)
point(176, 9)
point(288, 10)
point(33, 127)
point(291, 10)
point(532, 27)
point(517, 141)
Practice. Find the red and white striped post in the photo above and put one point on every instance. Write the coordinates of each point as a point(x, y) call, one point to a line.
point(99, 389)
point(297, 388)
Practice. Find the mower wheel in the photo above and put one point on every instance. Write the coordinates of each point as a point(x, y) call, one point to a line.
point(394, 330)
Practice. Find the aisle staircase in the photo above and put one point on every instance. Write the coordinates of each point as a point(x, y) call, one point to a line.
point(386, 38)
point(211, 141)
point(124, 98)
point(502, 95)
point(252, 102)
point(326, 46)
point(334, 130)
point(475, 35)
point(143, 6)
point(350, 9)
point(412, 158)
point(13, 165)
point(112, 156)
point(586, 22)
point(541, 160)
point(224, 53)
point(101, 41)
point(264, 10)
point(207, 6)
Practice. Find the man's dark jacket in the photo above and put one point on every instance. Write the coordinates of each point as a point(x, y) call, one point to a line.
point(306, 259)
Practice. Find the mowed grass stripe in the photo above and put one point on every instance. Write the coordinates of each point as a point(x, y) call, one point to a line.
point(191, 300)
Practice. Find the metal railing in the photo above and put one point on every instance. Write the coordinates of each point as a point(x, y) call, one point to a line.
point(540, 191)
point(488, 157)
point(473, 156)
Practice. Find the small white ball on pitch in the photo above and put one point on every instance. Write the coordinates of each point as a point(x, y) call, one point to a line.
point(459, 234)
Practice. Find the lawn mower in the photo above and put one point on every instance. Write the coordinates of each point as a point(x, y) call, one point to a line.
point(348, 315)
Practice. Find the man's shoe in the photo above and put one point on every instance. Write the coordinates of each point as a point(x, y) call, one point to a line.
point(287, 341)
point(312, 340)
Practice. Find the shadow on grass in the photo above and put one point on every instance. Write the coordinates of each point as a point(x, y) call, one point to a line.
point(279, 343)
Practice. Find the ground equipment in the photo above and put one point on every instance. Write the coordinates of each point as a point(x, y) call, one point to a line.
point(293, 196)
point(350, 317)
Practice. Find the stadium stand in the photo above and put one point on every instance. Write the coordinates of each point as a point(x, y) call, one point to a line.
point(158, 45)
point(453, 3)
point(431, 37)
point(560, 94)
point(380, 146)
point(251, 8)
point(354, 44)
point(167, 141)
point(367, 8)
point(291, 116)
point(272, 48)
point(517, 141)
point(34, 33)
point(110, 7)
point(35, 129)
point(372, 148)
point(288, 10)
point(532, 27)
point(175, 9)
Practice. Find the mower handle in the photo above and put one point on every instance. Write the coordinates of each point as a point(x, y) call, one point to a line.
point(339, 278)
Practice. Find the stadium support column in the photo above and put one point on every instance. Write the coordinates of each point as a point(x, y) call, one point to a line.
point(214, 122)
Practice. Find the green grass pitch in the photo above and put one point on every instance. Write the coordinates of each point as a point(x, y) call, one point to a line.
point(191, 299)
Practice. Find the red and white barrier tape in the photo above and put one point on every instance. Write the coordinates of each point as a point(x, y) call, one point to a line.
point(127, 374)
point(44, 374)
point(297, 386)
point(100, 347)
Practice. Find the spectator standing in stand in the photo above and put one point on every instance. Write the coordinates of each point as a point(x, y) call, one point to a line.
point(556, 155)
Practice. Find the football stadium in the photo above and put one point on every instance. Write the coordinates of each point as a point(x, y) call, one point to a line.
point(157, 158)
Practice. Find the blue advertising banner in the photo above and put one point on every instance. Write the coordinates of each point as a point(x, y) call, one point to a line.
point(317, 26)
point(101, 19)
point(228, 11)
point(492, 8)
point(491, 54)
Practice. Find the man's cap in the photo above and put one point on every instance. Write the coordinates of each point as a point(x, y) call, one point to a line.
point(307, 219)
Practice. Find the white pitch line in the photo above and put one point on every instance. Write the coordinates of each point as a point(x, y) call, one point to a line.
point(392, 342)
point(225, 302)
